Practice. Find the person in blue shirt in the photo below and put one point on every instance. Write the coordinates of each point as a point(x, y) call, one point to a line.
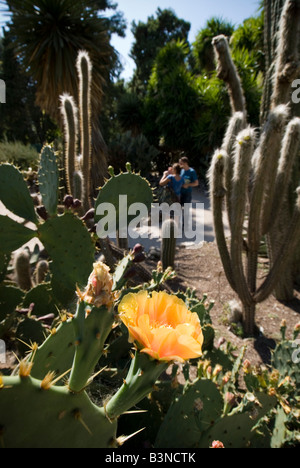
point(190, 180)
point(173, 179)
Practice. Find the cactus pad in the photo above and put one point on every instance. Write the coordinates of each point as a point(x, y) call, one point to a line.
point(69, 244)
point(14, 193)
point(4, 261)
point(49, 180)
point(42, 299)
point(56, 353)
point(237, 429)
point(13, 235)
point(90, 335)
point(284, 360)
point(133, 185)
point(10, 298)
point(190, 415)
point(53, 418)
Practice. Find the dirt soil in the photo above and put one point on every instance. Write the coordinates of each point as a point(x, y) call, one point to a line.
point(202, 270)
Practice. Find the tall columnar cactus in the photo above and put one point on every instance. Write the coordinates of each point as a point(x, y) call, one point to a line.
point(84, 68)
point(282, 40)
point(78, 166)
point(287, 55)
point(168, 243)
point(263, 208)
point(70, 114)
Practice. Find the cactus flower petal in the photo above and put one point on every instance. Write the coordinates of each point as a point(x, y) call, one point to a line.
point(99, 289)
point(162, 326)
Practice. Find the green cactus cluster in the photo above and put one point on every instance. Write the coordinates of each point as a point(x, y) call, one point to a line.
point(286, 358)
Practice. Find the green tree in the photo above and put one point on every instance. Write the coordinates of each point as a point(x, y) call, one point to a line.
point(172, 97)
point(130, 113)
point(152, 36)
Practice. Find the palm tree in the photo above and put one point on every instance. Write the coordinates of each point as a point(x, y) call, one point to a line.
point(48, 34)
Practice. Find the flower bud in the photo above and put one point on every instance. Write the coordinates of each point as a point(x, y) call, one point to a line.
point(76, 204)
point(99, 289)
point(230, 399)
point(247, 366)
point(138, 248)
point(217, 444)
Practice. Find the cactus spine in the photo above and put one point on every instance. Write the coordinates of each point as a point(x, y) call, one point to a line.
point(78, 168)
point(168, 243)
point(245, 173)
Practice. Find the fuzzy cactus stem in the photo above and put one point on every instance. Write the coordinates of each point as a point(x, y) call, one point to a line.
point(69, 112)
point(227, 71)
point(236, 124)
point(84, 68)
point(142, 375)
point(217, 194)
point(287, 65)
point(92, 326)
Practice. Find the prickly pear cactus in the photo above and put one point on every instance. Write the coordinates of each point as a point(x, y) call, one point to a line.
point(13, 235)
point(237, 430)
point(191, 414)
point(285, 360)
point(69, 244)
point(56, 353)
point(4, 261)
point(203, 414)
point(51, 416)
point(10, 298)
point(168, 243)
point(14, 193)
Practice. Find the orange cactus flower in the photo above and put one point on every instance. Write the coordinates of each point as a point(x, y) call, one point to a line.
point(162, 326)
point(99, 288)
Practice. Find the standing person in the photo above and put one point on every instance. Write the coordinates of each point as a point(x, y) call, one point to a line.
point(190, 180)
point(174, 180)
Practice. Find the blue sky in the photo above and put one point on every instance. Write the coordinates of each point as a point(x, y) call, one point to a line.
point(197, 12)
